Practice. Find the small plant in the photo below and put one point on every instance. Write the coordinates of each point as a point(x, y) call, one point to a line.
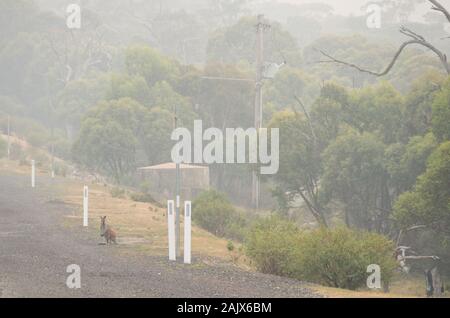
point(230, 246)
point(270, 245)
point(143, 197)
point(213, 212)
point(145, 187)
point(117, 192)
point(23, 162)
point(17, 152)
point(3, 148)
point(41, 159)
point(61, 169)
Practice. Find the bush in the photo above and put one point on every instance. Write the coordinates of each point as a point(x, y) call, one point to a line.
point(61, 169)
point(237, 226)
point(41, 159)
point(37, 138)
point(340, 257)
point(3, 148)
point(117, 192)
point(270, 243)
point(332, 257)
point(213, 212)
point(144, 197)
point(17, 152)
point(145, 187)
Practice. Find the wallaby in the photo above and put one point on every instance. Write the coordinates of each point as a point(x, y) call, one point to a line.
point(107, 232)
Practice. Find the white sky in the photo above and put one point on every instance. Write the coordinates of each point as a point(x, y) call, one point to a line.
point(341, 6)
point(346, 7)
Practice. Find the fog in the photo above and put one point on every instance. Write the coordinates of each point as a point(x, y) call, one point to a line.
point(291, 126)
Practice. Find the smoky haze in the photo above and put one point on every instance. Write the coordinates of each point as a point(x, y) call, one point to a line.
point(293, 127)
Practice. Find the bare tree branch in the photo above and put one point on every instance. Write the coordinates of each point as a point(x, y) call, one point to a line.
point(415, 39)
point(438, 7)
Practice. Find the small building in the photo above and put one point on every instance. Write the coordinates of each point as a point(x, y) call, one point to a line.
point(161, 180)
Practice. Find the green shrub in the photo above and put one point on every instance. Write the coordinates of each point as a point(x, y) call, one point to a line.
point(270, 243)
point(230, 246)
point(237, 226)
point(41, 159)
point(332, 257)
point(17, 152)
point(61, 169)
point(144, 197)
point(213, 212)
point(145, 187)
point(24, 162)
point(3, 148)
point(340, 257)
point(117, 192)
point(37, 138)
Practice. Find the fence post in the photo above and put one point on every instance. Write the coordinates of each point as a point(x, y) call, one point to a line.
point(85, 205)
point(33, 173)
point(171, 229)
point(187, 232)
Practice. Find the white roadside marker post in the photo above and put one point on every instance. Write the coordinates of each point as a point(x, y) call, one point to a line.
point(33, 173)
point(171, 228)
point(187, 232)
point(9, 137)
point(85, 205)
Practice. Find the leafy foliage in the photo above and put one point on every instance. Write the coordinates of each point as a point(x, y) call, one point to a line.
point(441, 113)
point(214, 213)
point(429, 202)
point(340, 257)
point(3, 148)
point(332, 257)
point(270, 243)
point(107, 140)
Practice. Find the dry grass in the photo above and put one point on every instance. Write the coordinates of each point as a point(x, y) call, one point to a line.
point(13, 167)
point(140, 225)
point(344, 293)
point(411, 286)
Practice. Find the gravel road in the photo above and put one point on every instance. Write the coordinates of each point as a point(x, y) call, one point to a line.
point(35, 250)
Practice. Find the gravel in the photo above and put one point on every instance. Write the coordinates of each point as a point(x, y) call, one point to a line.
point(35, 250)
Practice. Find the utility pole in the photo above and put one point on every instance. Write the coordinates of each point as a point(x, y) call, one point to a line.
point(260, 28)
point(177, 196)
point(9, 137)
point(53, 153)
